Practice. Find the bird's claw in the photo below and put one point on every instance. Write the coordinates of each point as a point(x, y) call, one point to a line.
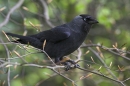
point(76, 65)
point(70, 64)
point(67, 66)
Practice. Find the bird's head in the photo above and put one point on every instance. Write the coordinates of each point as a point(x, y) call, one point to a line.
point(88, 19)
point(82, 22)
point(84, 19)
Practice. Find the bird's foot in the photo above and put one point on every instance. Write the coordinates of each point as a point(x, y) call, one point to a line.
point(67, 62)
point(67, 66)
point(70, 64)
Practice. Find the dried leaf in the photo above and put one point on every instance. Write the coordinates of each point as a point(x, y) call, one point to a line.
point(8, 65)
point(92, 59)
point(44, 44)
point(6, 35)
point(16, 76)
point(25, 8)
point(87, 52)
point(3, 8)
point(110, 64)
point(17, 53)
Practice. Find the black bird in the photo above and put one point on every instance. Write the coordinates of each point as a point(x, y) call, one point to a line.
point(61, 40)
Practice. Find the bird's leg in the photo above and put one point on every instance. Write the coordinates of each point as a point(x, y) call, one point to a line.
point(57, 61)
point(67, 62)
point(67, 65)
point(64, 62)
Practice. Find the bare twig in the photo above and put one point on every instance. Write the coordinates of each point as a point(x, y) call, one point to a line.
point(100, 74)
point(79, 58)
point(20, 57)
point(46, 13)
point(11, 19)
point(20, 2)
point(65, 77)
point(108, 49)
point(40, 66)
point(126, 79)
point(102, 62)
point(8, 55)
point(52, 68)
point(79, 55)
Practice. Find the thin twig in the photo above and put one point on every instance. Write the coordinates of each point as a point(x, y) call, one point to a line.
point(52, 68)
point(46, 13)
point(65, 77)
point(8, 56)
point(20, 2)
point(102, 62)
point(122, 84)
point(126, 79)
point(107, 49)
point(79, 55)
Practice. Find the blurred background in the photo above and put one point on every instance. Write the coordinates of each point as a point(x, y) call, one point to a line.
point(33, 16)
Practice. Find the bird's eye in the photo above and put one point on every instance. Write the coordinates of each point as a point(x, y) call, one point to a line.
point(84, 19)
point(87, 18)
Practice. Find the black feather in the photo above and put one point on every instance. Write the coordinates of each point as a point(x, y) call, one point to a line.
point(61, 40)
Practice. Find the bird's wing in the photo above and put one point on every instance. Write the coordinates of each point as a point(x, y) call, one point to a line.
point(54, 35)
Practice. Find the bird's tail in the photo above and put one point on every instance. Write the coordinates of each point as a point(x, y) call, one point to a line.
point(22, 39)
point(26, 40)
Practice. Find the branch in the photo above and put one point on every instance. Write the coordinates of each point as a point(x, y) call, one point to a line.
point(107, 49)
point(46, 13)
point(79, 55)
point(8, 64)
point(10, 12)
point(102, 61)
point(122, 84)
point(8, 55)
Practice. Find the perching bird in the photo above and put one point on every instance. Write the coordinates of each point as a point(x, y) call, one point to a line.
point(61, 40)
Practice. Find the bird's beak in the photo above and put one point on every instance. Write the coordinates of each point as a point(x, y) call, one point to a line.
point(94, 21)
